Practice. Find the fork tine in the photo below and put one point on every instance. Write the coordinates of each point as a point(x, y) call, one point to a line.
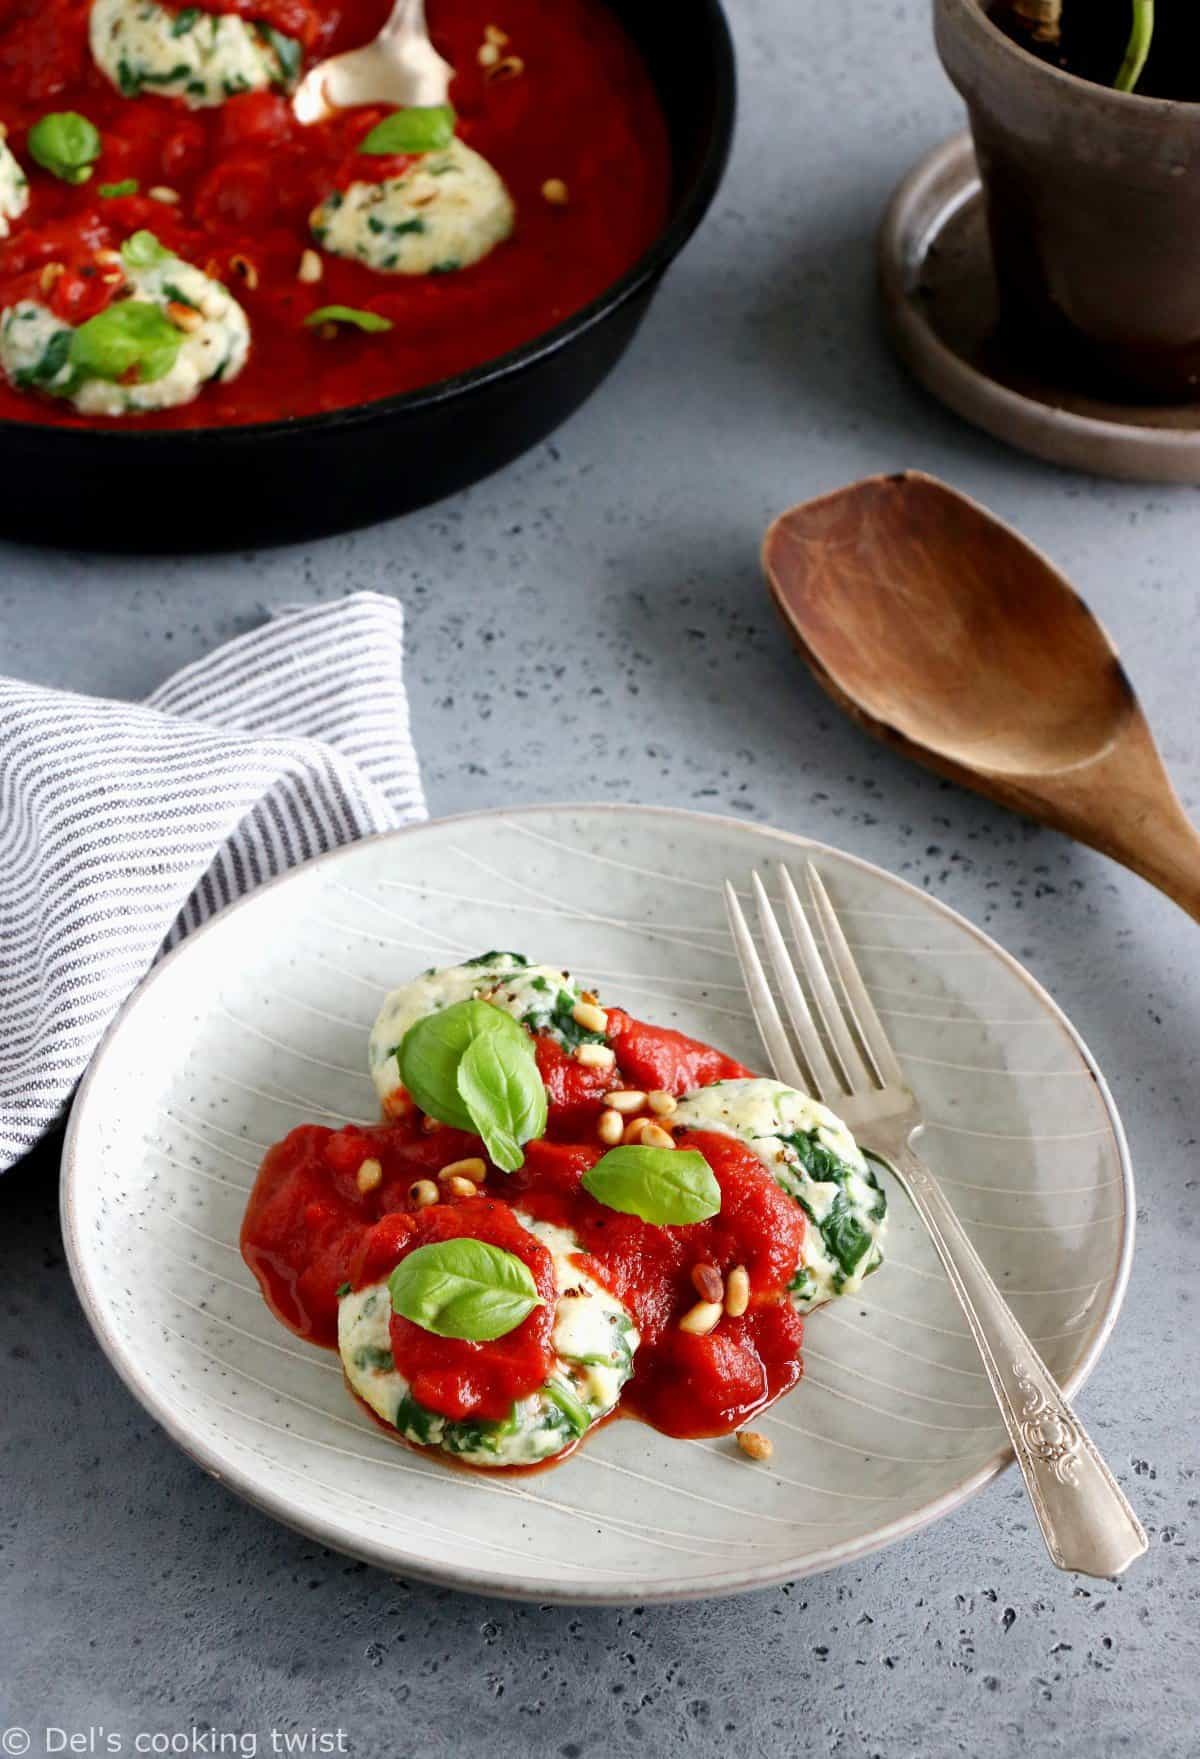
point(762, 1002)
point(828, 1007)
point(825, 1079)
point(858, 1002)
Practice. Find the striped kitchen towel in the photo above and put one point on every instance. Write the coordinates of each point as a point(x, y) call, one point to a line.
point(123, 826)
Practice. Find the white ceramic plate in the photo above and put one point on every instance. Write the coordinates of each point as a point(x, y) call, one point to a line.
point(260, 1021)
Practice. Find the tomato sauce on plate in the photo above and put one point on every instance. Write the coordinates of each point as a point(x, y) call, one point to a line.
point(309, 1231)
point(581, 111)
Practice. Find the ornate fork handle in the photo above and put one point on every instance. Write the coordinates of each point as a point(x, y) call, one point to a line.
point(1084, 1517)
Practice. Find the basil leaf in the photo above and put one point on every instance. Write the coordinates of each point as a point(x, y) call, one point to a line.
point(668, 1186)
point(289, 52)
point(127, 186)
point(419, 129)
point(820, 1162)
point(846, 1240)
point(463, 1288)
point(348, 314)
point(65, 143)
point(55, 356)
point(500, 1085)
point(131, 337)
point(141, 250)
point(434, 1046)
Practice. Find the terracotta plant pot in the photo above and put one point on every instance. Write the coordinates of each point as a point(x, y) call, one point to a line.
point(1093, 200)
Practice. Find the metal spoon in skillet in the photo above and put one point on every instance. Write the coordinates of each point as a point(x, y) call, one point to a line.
point(944, 633)
point(400, 67)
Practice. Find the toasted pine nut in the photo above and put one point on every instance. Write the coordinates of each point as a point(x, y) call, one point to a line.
point(737, 1291)
point(398, 1104)
point(510, 68)
point(554, 191)
point(245, 270)
point(311, 267)
point(494, 34)
point(473, 1168)
point(633, 1130)
point(609, 1127)
point(654, 1136)
point(109, 258)
point(184, 317)
point(488, 55)
point(754, 1445)
point(461, 1187)
point(595, 1056)
point(422, 1193)
point(162, 192)
point(708, 1282)
point(704, 1317)
point(49, 275)
point(589, 995)
point(370, 1175)
point(662, 1103)
point(626, 1099)
point(589, 1016)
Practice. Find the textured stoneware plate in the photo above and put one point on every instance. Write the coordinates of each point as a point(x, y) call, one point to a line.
point(260, 1020)
point(940, 302)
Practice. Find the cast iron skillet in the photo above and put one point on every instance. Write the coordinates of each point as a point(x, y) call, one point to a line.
point(209, 488)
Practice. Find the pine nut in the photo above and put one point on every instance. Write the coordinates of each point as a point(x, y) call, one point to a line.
point(754, 1445)
point(398, 1104)
point(589, 1016)
point(708, 1282)
point(609, 1127)
point(184, 317)
point(245, 270)
point(699, 1320)
point(50, 275)
point(473, 1169)
point(311, 267)
point(625, 1099)
point(370, 1174)
point(161, 192)
point(510, 68)
point(589, 995)
point(633, 1130)
point(554, 190)
point(737, 1291)
point(461, 1187)
point(488, 55)
point(596, 1056)
point(422, 1194)
point(494, 34)
point(662, 1103)
point(654, 1136)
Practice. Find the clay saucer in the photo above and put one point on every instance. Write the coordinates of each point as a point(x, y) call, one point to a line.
point(940, 304)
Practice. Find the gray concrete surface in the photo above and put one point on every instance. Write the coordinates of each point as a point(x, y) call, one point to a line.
point(611, 580)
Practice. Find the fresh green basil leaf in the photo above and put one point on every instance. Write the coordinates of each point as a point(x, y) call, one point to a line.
point(500, 1085)
point(289, 51)
point(668, 1186)
point(418, 129)
point(130, 337)
point(127, 186)
point(141, 250)
point(432, 1048)
point(65, 143)
point(463, 1288)
point(348, 314)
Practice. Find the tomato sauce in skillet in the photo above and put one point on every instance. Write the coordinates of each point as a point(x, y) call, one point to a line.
point(309, 1231)
point(581, 111)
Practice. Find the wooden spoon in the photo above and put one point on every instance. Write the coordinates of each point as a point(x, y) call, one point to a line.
point(400, 66)
point(944, 633)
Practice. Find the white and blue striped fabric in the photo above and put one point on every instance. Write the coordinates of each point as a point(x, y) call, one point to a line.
point(123, 826)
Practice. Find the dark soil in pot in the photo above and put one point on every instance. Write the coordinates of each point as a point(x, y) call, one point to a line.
point(1092, 40)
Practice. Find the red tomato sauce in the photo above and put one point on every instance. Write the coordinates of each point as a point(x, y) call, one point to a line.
point(309, 1231)
point(247, 176)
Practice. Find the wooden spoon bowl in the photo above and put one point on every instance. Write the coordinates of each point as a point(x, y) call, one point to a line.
point(944, 633)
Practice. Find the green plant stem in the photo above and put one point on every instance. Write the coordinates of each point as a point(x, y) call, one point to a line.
point(1141, 31)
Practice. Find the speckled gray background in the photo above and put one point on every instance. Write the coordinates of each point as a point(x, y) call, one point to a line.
point(592, 624)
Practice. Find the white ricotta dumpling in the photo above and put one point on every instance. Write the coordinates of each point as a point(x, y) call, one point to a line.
point(446, 212)
point(594, 1340)
point(14, 188)
point(812, 1156)
point(35, 344)
point(539, 996)
point(202, 57)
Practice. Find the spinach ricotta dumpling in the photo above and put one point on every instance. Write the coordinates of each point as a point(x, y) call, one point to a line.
point(594, 1341)
point(812, 1156)
point(202, 57)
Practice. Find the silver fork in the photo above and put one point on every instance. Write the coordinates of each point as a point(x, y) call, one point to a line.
point(1085, 1520)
